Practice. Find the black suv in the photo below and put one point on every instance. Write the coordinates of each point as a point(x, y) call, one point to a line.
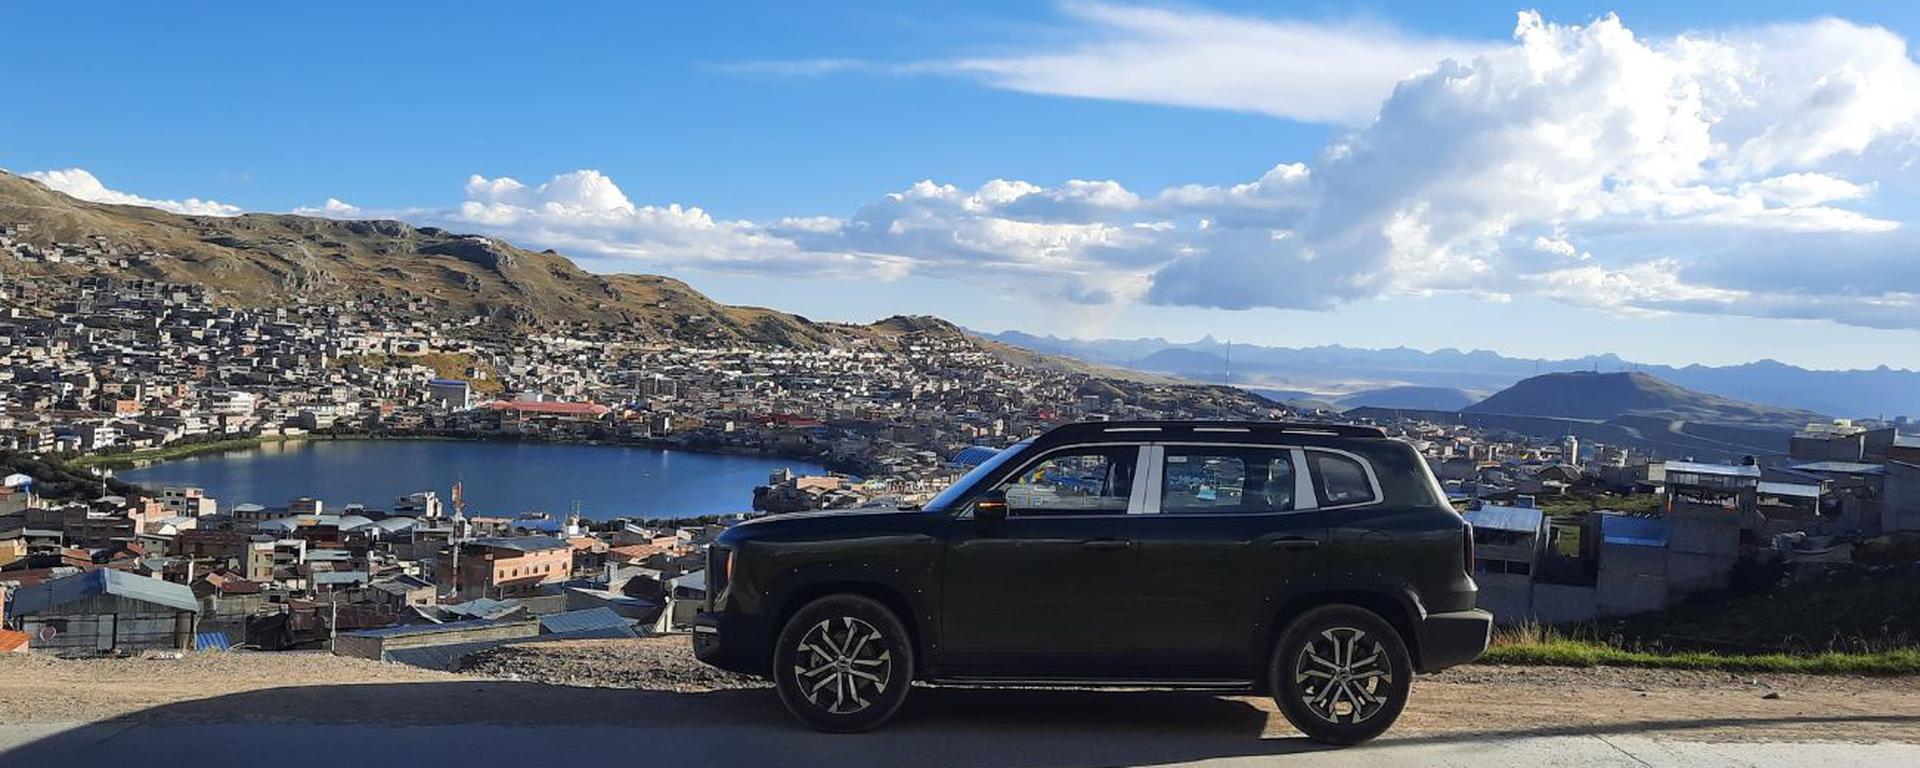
point(1319, 563)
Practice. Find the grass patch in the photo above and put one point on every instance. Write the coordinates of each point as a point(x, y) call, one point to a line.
point(459, 366)
point(1540, 646)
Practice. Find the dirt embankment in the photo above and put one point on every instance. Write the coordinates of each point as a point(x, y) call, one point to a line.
point(656, 681)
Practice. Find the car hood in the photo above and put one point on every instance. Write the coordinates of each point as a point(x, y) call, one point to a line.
point(776, 519)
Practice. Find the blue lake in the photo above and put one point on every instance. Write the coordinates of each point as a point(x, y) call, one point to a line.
point(499, 478)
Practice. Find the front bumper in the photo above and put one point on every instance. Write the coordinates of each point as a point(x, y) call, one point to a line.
point(724, 643)
point(1454, 638)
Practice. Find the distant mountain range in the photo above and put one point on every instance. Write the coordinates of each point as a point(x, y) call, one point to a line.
point(1331, 374)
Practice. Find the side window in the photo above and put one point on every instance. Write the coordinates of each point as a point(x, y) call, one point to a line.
point(1081, 481)
point(1340, 479)
point(1203, 480)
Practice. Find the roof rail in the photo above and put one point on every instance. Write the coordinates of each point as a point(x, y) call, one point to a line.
point(1145, 428)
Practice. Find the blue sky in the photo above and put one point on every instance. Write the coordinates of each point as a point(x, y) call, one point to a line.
point(789, 125)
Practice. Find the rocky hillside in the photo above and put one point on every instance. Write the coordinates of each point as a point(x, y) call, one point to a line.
point(1602, 396)
point(265, 259)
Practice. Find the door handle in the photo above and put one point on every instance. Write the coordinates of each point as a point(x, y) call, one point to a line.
point(1105, 544)
point(1294, 543)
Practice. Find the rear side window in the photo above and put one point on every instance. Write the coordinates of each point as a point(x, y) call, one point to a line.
point(1203, 480)
point(1340, 479)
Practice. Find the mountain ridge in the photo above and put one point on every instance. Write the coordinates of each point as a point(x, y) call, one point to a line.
point(1604, 396)
point(1334, 371)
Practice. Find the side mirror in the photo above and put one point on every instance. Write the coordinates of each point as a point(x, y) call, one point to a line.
point(990, 508)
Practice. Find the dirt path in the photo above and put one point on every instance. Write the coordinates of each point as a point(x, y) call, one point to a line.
point(655, 682)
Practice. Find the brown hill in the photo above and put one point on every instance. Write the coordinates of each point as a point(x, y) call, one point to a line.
point(1603, 396)
point(267, 259)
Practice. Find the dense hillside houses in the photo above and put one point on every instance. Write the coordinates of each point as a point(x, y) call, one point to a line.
point(100, 367)
point(1571, 526)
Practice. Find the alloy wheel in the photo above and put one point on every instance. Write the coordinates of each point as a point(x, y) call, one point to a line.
point(1344, 675)
point(842, 665)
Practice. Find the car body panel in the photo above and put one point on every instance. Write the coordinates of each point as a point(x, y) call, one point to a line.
point(1186, 597)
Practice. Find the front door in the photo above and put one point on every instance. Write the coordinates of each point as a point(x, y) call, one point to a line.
point(1048, 591)
point(1230, 532)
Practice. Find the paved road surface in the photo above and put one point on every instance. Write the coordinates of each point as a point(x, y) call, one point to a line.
point(305, 744)
point(358, 725)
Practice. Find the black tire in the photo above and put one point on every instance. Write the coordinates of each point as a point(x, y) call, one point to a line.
point(1340, 674)
point(843, 664)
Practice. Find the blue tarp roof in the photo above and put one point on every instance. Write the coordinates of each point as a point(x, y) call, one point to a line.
point(582, 620)
point(1633, 531)
point(972, 455)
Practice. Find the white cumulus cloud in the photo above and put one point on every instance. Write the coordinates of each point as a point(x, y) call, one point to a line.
point(85, 186)
point(1730, 172)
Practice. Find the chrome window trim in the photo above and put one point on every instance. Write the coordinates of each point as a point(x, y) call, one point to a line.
point(1373, 479)
point(966, 512)
point(1155, 465)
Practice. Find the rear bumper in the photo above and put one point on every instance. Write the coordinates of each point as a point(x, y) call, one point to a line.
point(1451, 639)
point(725, 643)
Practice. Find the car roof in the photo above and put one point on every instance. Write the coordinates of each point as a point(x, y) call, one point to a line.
point(1205, 431)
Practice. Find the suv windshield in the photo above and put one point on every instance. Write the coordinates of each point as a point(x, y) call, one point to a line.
point(953, 492)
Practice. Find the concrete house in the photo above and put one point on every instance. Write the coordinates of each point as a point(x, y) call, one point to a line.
point(1508, 542)
point(105, 610)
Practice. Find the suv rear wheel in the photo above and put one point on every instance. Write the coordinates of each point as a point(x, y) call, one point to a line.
point(843, 664)
point(1340, 674)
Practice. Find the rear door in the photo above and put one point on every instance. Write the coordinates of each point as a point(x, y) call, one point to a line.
point(1228, 534)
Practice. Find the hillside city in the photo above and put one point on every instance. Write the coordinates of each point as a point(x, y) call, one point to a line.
point(1576, 521)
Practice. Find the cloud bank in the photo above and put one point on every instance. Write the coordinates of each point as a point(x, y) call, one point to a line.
point(83, 185)
point(1740, 172)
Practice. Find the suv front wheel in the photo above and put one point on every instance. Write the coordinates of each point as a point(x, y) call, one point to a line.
point(843, 664)
point(1340, 674)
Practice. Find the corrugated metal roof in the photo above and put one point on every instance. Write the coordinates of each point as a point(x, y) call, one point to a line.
point(447, 658)
point(690, 580)
point(1497, 517)
point(211, 641)
point(103, 581)
point(1843, 467)
point(1633, 531)
point(582, 620)
point(1729, 470)
point(484, 607)
point(1790, 489)
point(520, 543)
point(404, 630)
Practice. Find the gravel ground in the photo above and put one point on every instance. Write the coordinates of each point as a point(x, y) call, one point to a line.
point(656, 681)
point(649, 664)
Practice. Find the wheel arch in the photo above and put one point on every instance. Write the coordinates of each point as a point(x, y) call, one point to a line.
point(1399, 608)
point(885, 595)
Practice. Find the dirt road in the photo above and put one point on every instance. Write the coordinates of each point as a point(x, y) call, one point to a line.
point(651, 688)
